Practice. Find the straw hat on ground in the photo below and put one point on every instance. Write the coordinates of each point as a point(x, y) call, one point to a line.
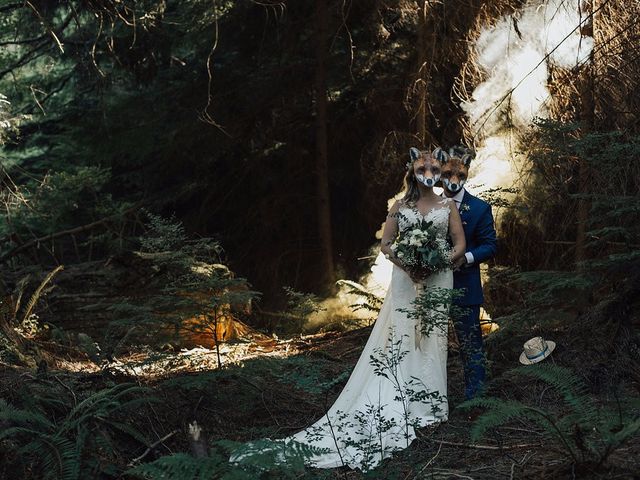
point(536, 350)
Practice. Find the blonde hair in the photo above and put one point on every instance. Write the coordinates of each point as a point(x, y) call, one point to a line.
point(411, 190)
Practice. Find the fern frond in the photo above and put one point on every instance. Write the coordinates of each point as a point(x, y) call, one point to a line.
point(22, 417)
point(17, 431)
point(129, 430)
point(571, 387)
point(182, 466)
point(56, 456)
point(629, 430)
point(371, 301)
point(501, 411)
point(106, 401)
point(36, 295)
point(498, 413)
point(262, 455)
point(64, 448)
point(82, 438)
point(71, 459)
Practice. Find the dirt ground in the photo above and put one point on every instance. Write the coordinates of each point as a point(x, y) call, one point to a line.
point(271, 388)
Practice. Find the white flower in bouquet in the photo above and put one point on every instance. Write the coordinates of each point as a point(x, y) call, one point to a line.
point(422, 251)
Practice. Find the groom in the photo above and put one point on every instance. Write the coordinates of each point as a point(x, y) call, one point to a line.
point(480, 235)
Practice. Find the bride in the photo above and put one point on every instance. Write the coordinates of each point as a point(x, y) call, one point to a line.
point(400, 380)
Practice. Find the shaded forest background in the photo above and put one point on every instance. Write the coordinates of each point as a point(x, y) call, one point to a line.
point(214, 120)
point(143, 138)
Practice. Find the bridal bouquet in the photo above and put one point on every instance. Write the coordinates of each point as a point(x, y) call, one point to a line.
point(422, 251)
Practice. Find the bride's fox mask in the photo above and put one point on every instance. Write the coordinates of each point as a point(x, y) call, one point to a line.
point(428, 169)
point(455, 167)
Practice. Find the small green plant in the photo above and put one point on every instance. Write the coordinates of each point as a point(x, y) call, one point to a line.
point(587, 434)
point(253, 460)
point(200, 293)
point(65, 446)
point(433, 307)
point(209, 296)
point(370, 301)
point(302, 305)
point(189, 292)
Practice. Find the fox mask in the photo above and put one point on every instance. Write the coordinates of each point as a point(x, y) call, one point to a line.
point(428, 172)
point(455, 171)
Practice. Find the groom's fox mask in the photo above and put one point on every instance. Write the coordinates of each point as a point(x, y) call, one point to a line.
point(455, 168)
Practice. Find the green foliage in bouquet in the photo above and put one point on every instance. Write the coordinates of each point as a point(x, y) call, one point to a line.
point(421, 251)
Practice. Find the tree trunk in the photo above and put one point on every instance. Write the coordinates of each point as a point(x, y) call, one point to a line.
point(584, 174)
point(420, 85)
point(588, 117)
point(322, 170)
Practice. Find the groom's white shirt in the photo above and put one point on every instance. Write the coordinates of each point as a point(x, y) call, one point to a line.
point(458, 199)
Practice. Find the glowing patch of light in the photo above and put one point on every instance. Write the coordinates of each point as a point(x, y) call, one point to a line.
point(380, 278)
point(516, 64)
point(492, 166)
point(529, 83)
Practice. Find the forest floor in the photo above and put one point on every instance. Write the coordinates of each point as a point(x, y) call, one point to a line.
point(273, 388)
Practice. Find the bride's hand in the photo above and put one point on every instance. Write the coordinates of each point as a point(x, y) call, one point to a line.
point(460, 262)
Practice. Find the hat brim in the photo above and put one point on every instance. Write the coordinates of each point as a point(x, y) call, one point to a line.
point(551, 345)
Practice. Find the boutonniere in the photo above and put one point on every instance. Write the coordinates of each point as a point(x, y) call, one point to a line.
point(464, 207)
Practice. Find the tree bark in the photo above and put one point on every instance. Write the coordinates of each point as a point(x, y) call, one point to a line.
point(420, 84)
point(323, 202)
point(588, 117)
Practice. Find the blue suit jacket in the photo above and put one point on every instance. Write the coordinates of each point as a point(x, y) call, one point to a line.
point(480, 234)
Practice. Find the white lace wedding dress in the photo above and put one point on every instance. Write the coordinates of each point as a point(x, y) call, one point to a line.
point(399, 382)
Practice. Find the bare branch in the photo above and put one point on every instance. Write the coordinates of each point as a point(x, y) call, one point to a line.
point(12, 6)
point(23, 42)
point(40, 102)
point(26, 58)
point(20, 248)
point(44, 24)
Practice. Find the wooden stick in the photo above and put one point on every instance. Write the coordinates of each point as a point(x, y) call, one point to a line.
point(75, 400)
point(488, 447)
point(152, 446)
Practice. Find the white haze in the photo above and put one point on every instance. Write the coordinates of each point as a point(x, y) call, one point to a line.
point(515, 91)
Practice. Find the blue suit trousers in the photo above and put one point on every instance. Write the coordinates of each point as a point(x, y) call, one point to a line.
point(473, 358)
